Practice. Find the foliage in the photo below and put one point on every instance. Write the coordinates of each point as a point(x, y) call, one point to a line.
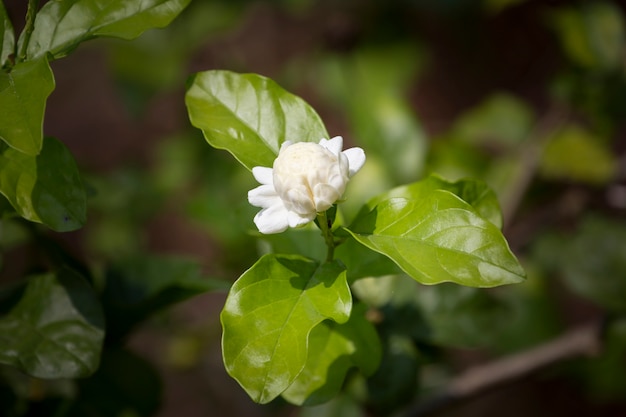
point(484, 235)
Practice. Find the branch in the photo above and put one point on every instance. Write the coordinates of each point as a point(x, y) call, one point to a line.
point(582, 341)
point(531, 156)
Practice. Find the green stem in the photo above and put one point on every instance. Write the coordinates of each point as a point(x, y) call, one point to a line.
point(29, 27)
point(323, 222)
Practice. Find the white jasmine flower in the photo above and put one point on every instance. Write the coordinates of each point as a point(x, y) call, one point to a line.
point(307, 178)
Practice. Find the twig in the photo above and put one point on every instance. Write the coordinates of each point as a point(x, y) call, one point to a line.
point(531, 156)
point(31, 13)
point(582, 341)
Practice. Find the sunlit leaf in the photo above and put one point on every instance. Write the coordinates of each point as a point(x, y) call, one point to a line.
point(249, 115)
point(23, 94)
point(46, 188)
point(474, 192)
point(333, 350)
point(435, 236)
point(55, 330)
point(61, 25)
point(576, 154)
point(269, 314)
point(141, 286)
point(7, 36)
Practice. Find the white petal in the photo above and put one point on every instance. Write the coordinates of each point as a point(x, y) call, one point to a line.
point(294, 219)
point(284, 145)
point(273, 219)
point(263, 196)
point(263, 175)
point(334, 145)
point(356, 159)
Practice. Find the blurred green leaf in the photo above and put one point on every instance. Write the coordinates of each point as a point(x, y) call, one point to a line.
point(592, 261)
point(436, 236)
point(593, 34)
point(459, 316)
point(7, 36)
point(46, 188)
point(395, 383)
point(333, 350)
point(501, 120)
point(23, 94)
point(576, 154)
point(60, 26)
point(371, 86)
point(249, 115)
point(269, 314)
point(56, 328)
point(124, 385)
point(143, 285)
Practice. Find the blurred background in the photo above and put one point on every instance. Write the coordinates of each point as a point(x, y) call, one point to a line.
point(528, 95)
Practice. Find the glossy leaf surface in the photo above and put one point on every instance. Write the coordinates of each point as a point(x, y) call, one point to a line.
point(333, 350)
point(46, 188)
point(7, 36)
point(268, 316)
point(436, 236)
point(23, 95)
point(249, 115)
point(61, 25)
point(56, 328)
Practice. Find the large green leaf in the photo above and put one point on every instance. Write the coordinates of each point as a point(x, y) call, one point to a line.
point(61, 25)
point(7, 36)
point(46, 188)
point(23, 94)
point(269, 314)
point(333, 350)
point(55, 330)
point(249, 115)
point(436, 236)
point(141, 286)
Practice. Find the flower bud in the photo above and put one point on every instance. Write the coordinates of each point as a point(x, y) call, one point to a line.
point(307, 178)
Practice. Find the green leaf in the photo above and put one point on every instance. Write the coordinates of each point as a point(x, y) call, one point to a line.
point(474, 192)
point(250, 116)
point(333, 350)
point(371, 86)
point(55, 330)
point(143, 285)
point(7, 36)
point(502, 120)
point(592, 261)
point(593, 35)
point(23, 94)
point(46, 188)
point(61, 25)
point(576, 154)
point(269, 314)
point(435, 236)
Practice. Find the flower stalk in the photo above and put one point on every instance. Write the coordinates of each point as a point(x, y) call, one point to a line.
point(325, 226)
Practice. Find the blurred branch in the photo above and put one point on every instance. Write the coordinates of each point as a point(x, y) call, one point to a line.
point(585, 340)
point(531, 156)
